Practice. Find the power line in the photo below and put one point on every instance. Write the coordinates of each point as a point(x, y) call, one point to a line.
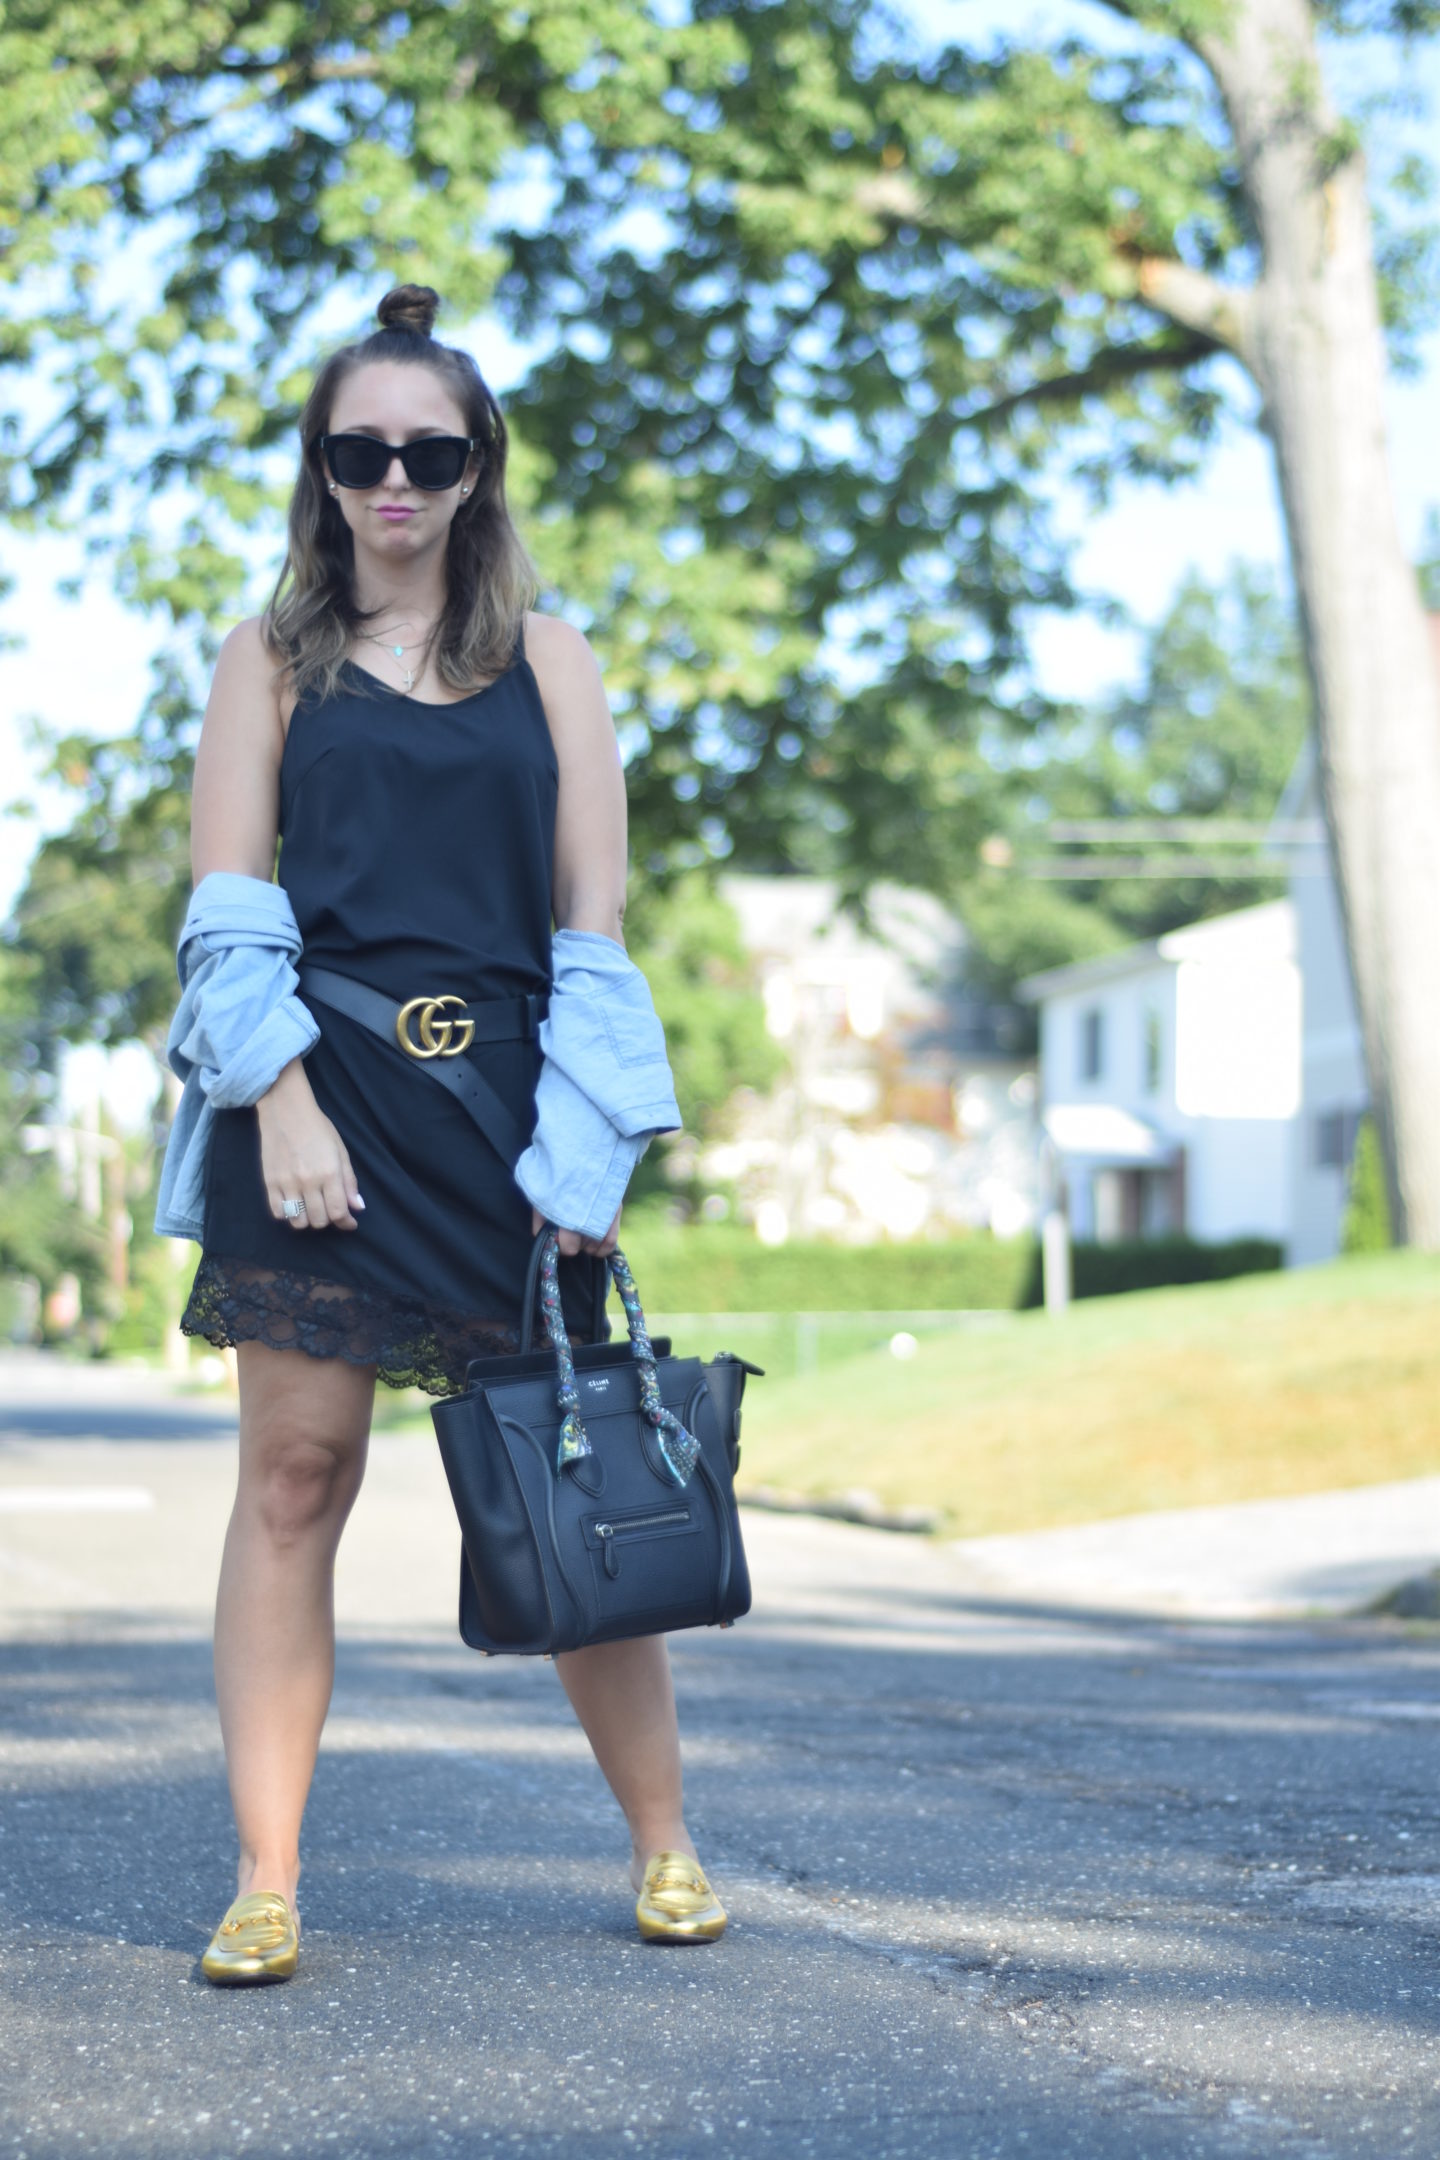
point(1302, 833)
point(1061, 867)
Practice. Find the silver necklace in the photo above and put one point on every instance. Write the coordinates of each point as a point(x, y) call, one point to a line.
point(399, 652)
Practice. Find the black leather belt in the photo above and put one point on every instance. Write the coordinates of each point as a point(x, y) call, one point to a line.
point(433, 1032)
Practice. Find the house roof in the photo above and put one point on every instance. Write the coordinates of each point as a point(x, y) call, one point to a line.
point(1082, 974)
point(1267, 931)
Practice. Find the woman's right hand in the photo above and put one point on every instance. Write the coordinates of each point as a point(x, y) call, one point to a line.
point(302, 1156)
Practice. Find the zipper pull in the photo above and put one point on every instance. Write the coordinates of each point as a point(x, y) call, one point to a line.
point(606, 1533)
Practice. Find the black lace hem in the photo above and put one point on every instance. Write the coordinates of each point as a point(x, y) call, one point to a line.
point(411, 1345)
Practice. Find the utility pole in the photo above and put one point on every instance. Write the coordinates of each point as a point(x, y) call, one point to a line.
point(1055, 1271)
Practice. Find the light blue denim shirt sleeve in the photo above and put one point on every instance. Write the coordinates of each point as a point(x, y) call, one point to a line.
point(237, 1025)
point(605, 1087)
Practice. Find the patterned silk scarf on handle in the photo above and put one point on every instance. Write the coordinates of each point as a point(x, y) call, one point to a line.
point(678, 1448)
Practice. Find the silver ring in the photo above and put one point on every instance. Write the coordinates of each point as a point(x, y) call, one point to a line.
point(294, 1207)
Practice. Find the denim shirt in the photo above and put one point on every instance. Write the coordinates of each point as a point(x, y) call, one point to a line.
point(238, 1024)
point(605, 1086)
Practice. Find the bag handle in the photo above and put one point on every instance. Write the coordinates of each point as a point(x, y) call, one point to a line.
point(599, 1327)
point(678, 1448)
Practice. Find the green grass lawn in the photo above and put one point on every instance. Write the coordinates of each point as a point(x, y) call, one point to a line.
point(1242, 1390)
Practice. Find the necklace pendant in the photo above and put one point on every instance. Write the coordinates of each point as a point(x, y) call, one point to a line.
point(399, 651)
point(409, 678)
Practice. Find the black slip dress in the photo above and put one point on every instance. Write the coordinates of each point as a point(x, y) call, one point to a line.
point(417, 848)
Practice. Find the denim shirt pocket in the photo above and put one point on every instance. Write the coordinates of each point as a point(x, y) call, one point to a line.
point(635, 1034)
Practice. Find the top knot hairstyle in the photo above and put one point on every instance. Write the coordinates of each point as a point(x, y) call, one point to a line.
point(410, 307)
point(313, 615)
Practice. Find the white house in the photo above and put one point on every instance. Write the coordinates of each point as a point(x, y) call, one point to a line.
point(1170, 1078)
point(1334, 1092)
point(908, 1106)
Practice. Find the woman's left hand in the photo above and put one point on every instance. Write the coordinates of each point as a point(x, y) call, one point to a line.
point(575, 1241)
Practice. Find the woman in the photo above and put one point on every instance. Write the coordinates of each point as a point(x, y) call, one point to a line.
point(440, 766)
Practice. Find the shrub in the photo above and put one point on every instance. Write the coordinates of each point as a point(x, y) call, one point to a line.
point(1367, 1226)
point(1156, 1263)
point(723, 1267)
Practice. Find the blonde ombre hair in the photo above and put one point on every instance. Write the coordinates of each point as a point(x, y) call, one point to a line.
point(312, 617)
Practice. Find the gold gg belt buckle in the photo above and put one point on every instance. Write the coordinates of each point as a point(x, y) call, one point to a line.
point(435, 1035)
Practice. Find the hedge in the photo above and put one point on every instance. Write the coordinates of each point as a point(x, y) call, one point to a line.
point(723, 1267)
point(1154, 1263)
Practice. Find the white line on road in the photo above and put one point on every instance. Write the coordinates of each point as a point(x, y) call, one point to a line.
point(75, 1500)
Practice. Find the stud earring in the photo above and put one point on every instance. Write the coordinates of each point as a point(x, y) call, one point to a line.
point(332, 487)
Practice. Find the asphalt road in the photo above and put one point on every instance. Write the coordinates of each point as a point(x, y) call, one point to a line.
point(1003, 1880)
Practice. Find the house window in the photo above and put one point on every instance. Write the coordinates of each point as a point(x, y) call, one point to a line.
point(1333, 1138)
point(1150, 1056)
point(1092, 1044)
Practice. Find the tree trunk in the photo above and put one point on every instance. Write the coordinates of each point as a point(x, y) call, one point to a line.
point(1311, 335)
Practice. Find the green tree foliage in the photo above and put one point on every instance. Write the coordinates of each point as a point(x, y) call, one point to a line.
point(783, 398)
point(817, 323)
point(1217, 722)
point(41, 1232)
point(1017, 926)
point(103, 903)
point(1210, 732)
point(687, 940)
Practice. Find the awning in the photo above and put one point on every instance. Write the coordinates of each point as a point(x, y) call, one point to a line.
point(1102, 1132)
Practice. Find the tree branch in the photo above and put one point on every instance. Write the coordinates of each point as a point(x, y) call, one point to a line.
point(1197, 302)
point(1192, 298)
point(1117, 364)
point(1212, 41)
point(1201, 41)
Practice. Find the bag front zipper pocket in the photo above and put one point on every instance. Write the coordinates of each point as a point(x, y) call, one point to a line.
point(611, 1533)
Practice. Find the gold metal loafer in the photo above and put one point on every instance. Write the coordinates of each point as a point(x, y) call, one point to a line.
point(256, 1941)
point(676, 1903)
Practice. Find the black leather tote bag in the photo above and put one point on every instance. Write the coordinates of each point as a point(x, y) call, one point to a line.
point(594, 1487)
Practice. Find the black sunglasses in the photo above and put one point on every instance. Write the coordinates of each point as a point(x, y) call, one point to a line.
point(433, 462)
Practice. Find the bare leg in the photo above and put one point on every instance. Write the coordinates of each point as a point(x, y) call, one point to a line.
point(622, 1695)
point(304, 1426)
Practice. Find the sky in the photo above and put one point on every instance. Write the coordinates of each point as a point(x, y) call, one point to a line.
point(84, 664)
